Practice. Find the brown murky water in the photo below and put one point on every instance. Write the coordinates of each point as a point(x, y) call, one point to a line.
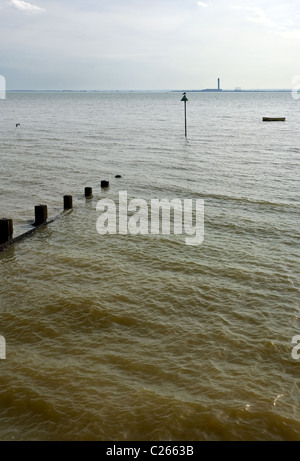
point(142, 337)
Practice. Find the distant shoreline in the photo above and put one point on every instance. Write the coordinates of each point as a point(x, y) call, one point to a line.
point(151, 91)
point(235, 91)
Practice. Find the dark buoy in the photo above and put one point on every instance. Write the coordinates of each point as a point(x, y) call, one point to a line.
point(104, 183)
point(118, 176)
point(6, 230)
point(17, 124)
point(41, 214)
point(88, 191)
point(68, 202)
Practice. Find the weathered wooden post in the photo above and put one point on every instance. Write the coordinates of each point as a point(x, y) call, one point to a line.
point(104, 183)
point(88, 191)
point(41, 214)
point(68, 202)
point(6, 230)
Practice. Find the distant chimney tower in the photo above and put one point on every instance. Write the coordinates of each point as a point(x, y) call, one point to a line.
point(218, 84)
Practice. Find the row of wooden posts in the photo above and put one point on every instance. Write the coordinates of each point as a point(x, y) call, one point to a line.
point(41, 217)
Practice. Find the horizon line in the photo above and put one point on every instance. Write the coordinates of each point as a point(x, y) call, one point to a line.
point(239, 90)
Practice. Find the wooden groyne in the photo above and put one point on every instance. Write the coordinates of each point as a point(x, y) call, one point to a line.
point(8, 240)
point(41, 218)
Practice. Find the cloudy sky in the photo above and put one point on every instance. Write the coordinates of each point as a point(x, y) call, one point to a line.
point(149, 44)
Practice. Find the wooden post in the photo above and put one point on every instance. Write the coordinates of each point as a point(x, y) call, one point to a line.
point(68, 202)
point(6, 230)
point(41, 214)
point(104, 183)
point(88, 191)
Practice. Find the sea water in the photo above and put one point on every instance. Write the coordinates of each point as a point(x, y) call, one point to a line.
point(143, 337)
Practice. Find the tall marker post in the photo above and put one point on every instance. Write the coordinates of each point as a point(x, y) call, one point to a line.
point(185, 99)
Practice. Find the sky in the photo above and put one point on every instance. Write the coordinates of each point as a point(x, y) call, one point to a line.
point(149, 44)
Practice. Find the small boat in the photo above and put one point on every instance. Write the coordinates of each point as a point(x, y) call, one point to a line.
point(273, 119)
